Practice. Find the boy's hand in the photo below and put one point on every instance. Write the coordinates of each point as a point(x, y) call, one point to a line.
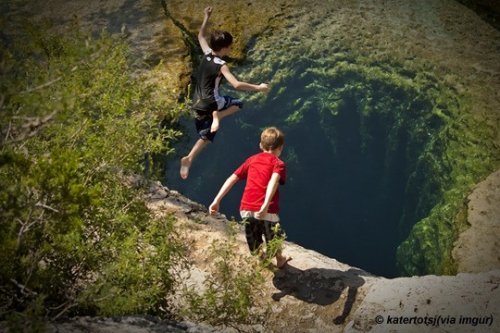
point(263, 87)
point(214, 208)
point(260, 214)
point(263, 211)
point(208, 11)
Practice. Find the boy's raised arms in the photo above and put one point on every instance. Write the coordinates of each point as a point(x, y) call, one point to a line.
point(203, 31)
point(240, 85)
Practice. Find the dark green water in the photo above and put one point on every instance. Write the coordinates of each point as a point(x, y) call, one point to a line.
point(382, 147)
point(351, 150)
point(380, 151)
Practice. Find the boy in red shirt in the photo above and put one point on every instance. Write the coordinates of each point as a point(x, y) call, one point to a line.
point(259, 207)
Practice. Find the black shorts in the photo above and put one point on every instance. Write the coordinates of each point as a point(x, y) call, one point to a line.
point(256, 230)
point(203, 124)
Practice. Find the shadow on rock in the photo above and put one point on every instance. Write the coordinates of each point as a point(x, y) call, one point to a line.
point(319, 286)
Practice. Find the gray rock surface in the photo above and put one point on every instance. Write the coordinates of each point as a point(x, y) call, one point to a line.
point(478, 248)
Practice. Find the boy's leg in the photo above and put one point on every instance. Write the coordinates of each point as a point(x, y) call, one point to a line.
point(219, 115)
point(229, 111)
point(270, 234)
point(215, 122)
point(187, 160)
point(227, 105)
point(253, 234)
point(202, 124)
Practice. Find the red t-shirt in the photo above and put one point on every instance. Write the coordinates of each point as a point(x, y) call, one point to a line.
point(257, 170)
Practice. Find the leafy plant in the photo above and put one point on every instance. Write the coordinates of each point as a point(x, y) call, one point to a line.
point(230, 291)
point(75, 236)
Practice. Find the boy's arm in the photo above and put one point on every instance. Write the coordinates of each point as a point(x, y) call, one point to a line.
point(240, 85)
point(272, 186)
point(202, 33)
point(228, 184)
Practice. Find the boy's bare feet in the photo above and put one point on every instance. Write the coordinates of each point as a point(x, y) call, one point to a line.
point(282, 260)
point(185, 165)
point(215, 125)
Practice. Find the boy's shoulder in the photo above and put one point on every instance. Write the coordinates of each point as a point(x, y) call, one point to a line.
point(210, 57)
point(266, 157)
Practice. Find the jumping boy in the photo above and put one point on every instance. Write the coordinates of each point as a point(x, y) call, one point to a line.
point(209, 106)
point(260, 202)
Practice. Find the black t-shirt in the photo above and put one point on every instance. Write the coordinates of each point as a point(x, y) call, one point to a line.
point(208, 78)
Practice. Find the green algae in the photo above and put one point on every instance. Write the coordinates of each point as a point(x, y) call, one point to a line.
point(465, 147)
point(447, 149)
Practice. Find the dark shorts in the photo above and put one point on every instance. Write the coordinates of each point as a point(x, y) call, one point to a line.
point(204, 118)
point(230, 101)
point(203, 124)
point(256, 230)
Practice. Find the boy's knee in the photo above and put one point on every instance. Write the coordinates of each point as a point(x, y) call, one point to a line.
point(206, 135)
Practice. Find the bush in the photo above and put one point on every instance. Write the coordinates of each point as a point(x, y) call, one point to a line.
point(74, 238)
point(231, 290)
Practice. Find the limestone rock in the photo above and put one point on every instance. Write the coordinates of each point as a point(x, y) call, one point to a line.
point(478, 248)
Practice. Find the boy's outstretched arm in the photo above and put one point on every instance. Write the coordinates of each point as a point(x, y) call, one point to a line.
point(240, 85)
point(228, 184)
point(272, 186)
point(202, 33)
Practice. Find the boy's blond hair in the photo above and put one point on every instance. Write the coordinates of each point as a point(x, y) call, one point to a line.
point(271, 138)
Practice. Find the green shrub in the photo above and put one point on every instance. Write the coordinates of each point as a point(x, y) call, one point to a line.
point(74, 238)
point(230, 291)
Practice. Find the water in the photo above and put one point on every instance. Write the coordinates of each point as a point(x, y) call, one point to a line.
point(347, 176)
point(353, 138)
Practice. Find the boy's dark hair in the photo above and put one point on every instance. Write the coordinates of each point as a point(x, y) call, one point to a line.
point(271, 138)
point(220, 39)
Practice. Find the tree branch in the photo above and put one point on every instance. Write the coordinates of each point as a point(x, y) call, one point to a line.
point(39, 204)
point(66, 308)
point(24, 290)
point(46, 84)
